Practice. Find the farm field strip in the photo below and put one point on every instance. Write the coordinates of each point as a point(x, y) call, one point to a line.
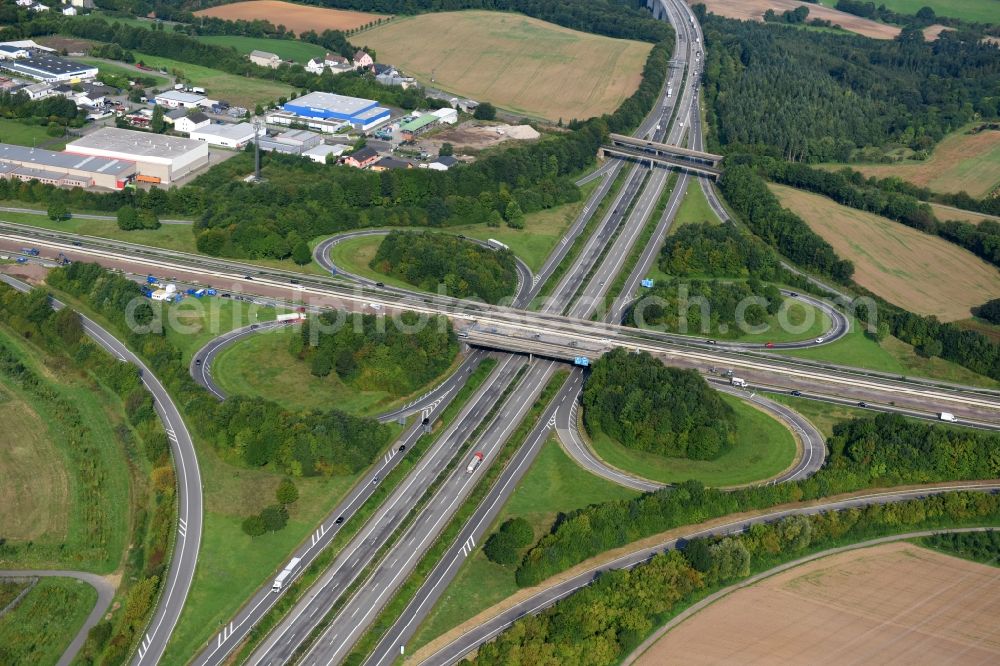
point(299, 18)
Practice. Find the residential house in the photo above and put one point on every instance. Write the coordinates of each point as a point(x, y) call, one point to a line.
point(362, 158)
point(39, 7)
point(190, 123)
point(389, 76)
point(389, 162)
point(171, 116)
point(442, 163)
point(265, 59)
point(25, 3)
point(337, 64)
point(363, 60)
point(69, 11)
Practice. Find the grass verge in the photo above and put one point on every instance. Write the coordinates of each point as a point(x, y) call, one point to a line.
point(39, 629)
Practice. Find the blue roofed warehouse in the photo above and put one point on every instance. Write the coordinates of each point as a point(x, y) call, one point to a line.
point(362, 114)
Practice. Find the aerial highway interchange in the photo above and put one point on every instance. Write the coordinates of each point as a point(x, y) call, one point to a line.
point(530, 345)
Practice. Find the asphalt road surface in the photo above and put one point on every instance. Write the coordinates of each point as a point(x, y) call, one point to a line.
point(189, 495)
point(105, 593)
point(454, 651)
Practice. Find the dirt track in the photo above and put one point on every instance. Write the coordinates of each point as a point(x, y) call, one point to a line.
point(891, 604)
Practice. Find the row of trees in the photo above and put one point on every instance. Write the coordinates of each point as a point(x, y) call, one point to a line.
point(60, 333)
point(978, 546)
point(889, 197)
point(717, 250)
point(601, 623)
point(780, 228)
point(643, 404)
point(466, 270)
point(372, 354)
point(814, 96)
point(884, 450)
point(247, 431)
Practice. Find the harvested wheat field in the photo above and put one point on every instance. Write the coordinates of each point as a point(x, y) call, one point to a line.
point(299, 18)
point(753, 10)
point(518, 63)
point(961, 161)
point(891, 604)
point(922, 273)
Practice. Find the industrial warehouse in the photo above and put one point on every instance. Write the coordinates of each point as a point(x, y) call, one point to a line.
point(49, 68)
point(361, 114)
point(157, 158)
point(63, 169)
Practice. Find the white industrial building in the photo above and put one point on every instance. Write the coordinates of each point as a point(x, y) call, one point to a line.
point(447, 115)
point(177, 99)
point(226, 136)
point(191, 123)
point(319, 153)
point(49, 68)
point(158, 158)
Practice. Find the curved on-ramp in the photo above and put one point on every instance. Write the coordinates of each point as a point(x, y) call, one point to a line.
point(553, 592)
point(105, 593)
point(175, 589)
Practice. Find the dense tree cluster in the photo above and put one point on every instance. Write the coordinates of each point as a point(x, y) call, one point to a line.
point(372, 353)
point(990, 311)
point(601, 623)
point(504, 545)
point(717, 250)
point(643, 404)
point(780, 228)
point(466, 270)
point(815, 96)
point(978, 546)
point(884, 450)
point(55, 112)
point(726, 308)
point(249, 431)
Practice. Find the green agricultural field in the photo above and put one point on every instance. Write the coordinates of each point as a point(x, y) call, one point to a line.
point(23, 134)
point(982, 11)
point(554, 484)
point(764, 448)
point(105, 67)
point(83, 498)
point(286, 49)
point(244, 91)
point(892, 355)
point(261, 365)
point(40, 628)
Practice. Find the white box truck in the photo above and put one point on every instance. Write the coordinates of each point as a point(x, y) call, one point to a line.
point(286, 574)
point(737, 382)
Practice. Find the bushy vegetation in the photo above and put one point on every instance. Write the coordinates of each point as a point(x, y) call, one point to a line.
point(884, 450)
point(370, 353)
point(464, 269)
point(780, 228)
point(57, 111)
point(643, 404)
point(603, 622)
point(990, 311)
point(504, 545)
point(248, 431)
point(978, 546)
point(814, 96)
point(716, 250)
point(720, 307)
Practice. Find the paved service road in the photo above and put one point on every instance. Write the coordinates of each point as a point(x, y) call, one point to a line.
point(454, 651)
point(189, 497)
point(105, 593)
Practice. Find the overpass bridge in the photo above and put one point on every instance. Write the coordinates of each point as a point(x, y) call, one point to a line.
point(667, 149)
point(658, 158)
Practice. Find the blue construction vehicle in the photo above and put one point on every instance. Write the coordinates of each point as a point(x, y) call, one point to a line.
point(582, 361)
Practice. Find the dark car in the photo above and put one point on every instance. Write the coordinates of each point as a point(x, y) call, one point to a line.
point(461, 236)
point(796, 393)
point(375, 480)
point(380, 284)
point(862, 404)
point(295, 282)
point(711, 342)
point(247, 277)
point(402, 448)
point(793, 294)
point(339, 520)
point(225, 296)
point(254, 326)
point(197, 361)
point(76, 243)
